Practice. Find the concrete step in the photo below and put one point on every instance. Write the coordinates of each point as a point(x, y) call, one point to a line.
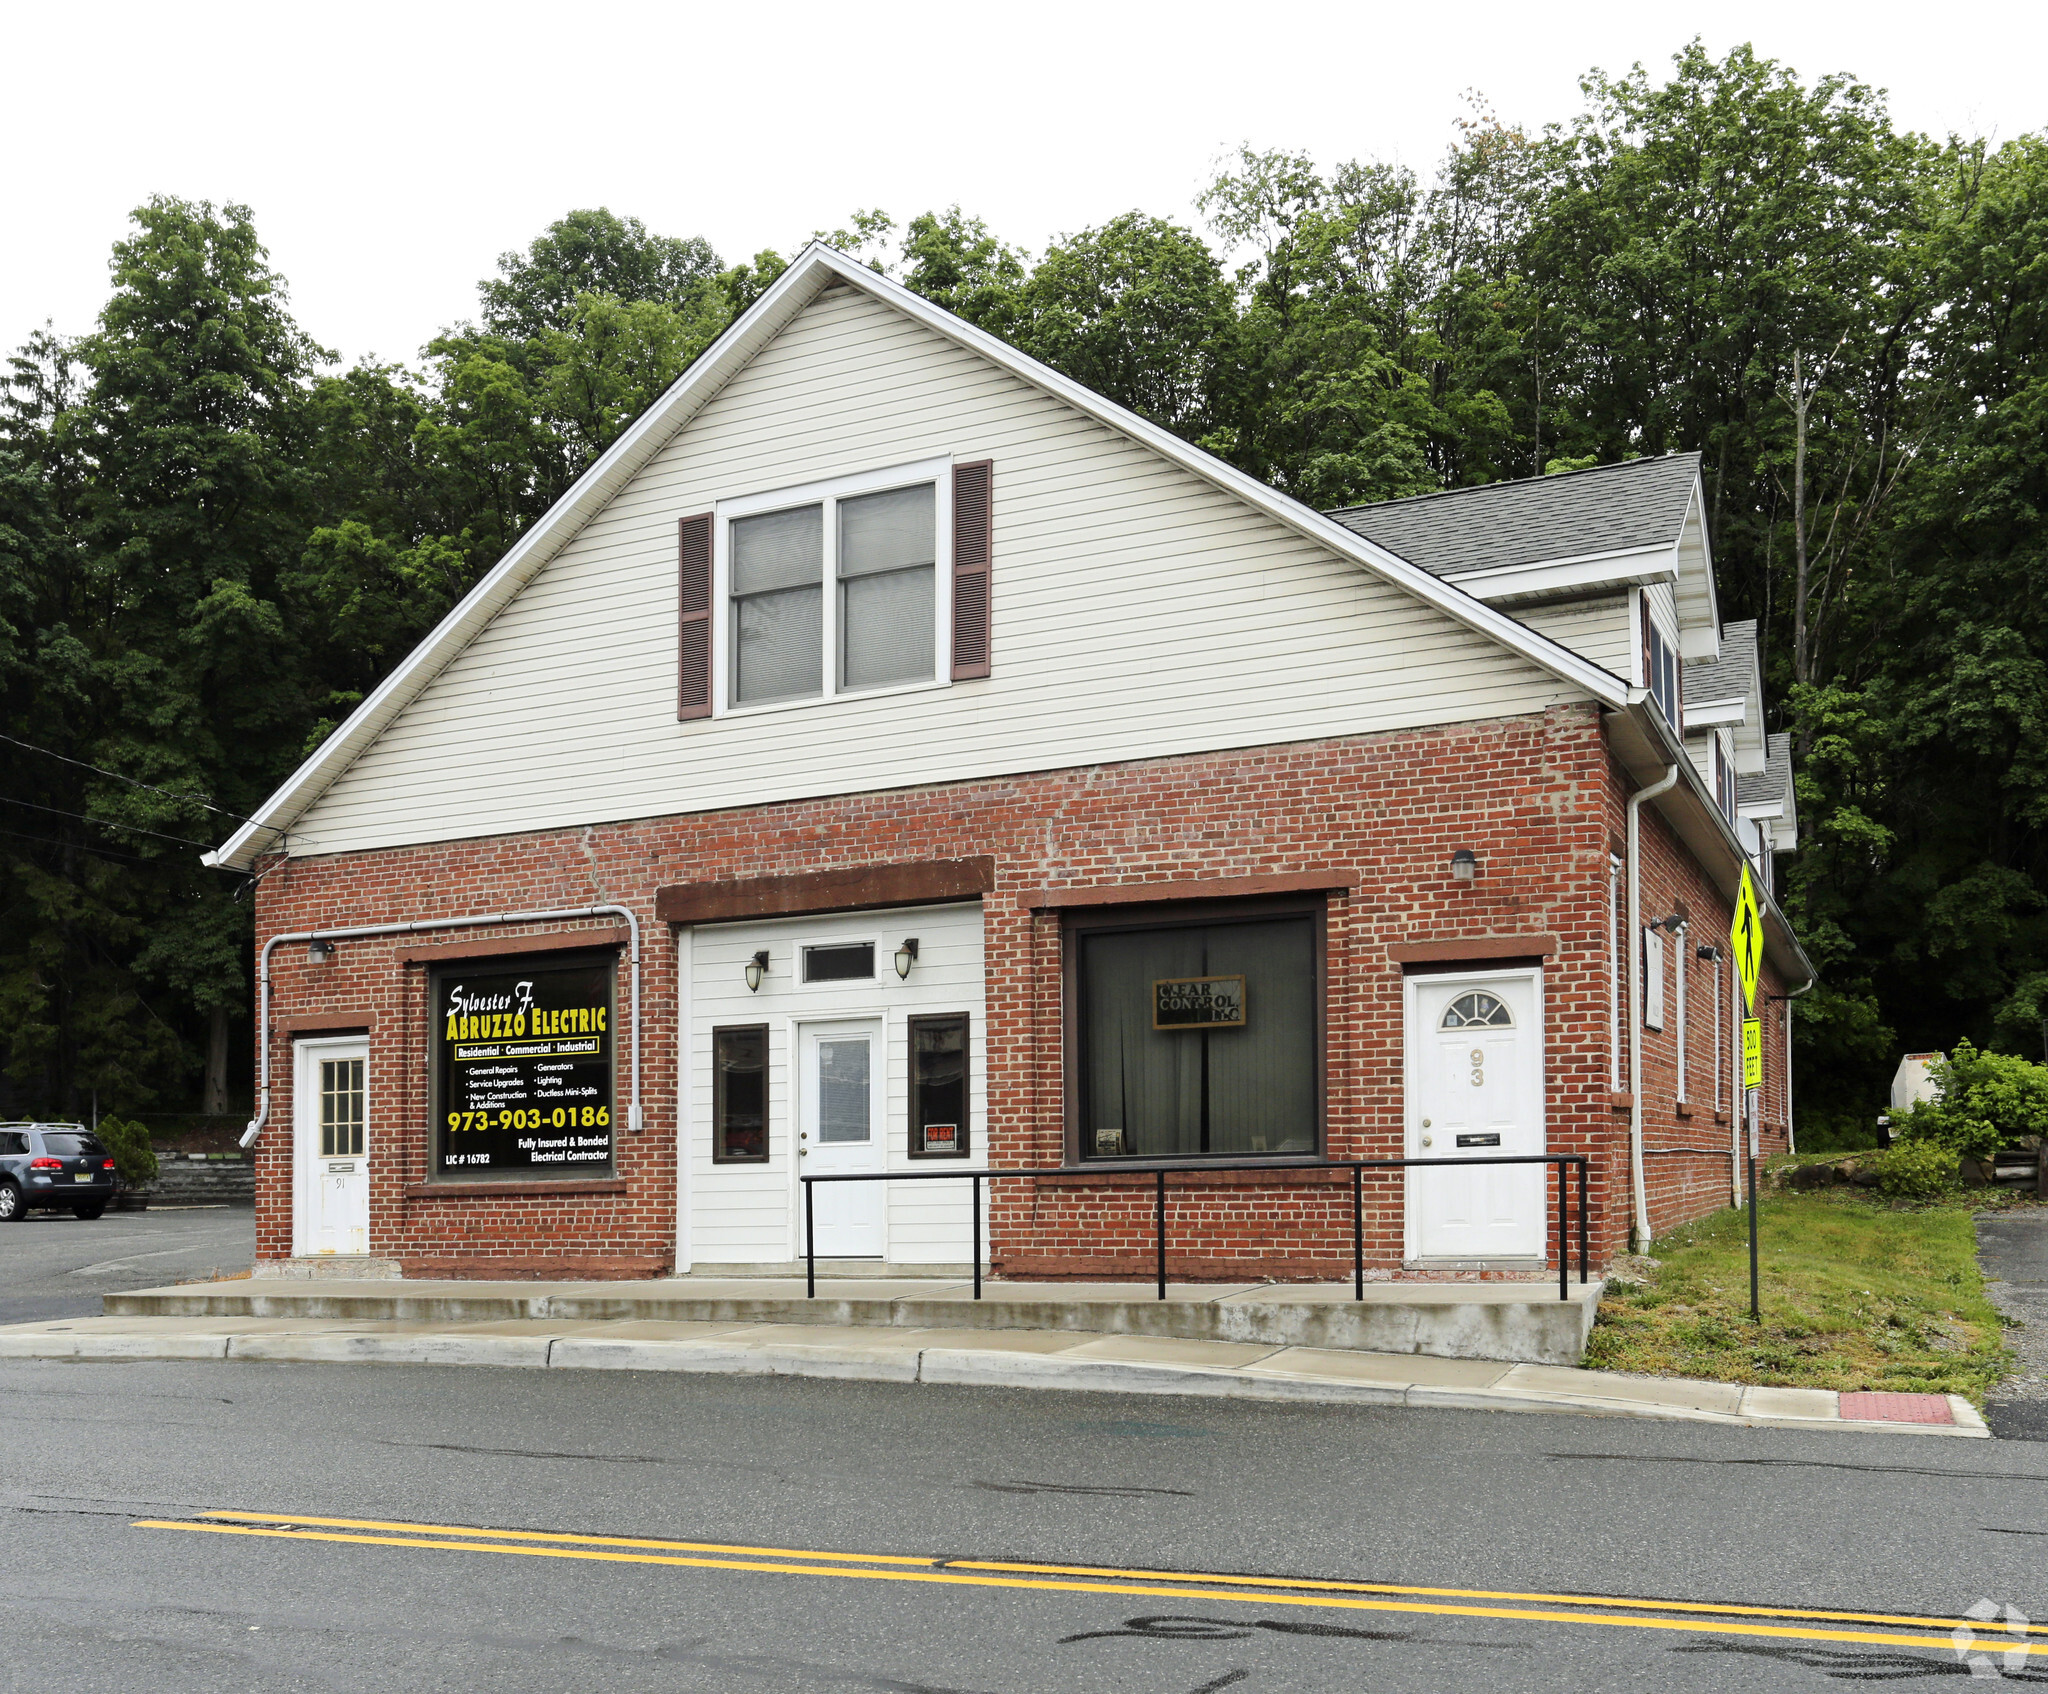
point(1517, 1322)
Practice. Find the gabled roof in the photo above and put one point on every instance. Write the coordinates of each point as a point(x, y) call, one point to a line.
point(1771, 786)
point(1635, 505)
point(809, 274)
point(1734, 675)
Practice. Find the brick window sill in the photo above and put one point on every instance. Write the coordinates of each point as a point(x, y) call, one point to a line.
point(504, 1190)
point(1183, 1176)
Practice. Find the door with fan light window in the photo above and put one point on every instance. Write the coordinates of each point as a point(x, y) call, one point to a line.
point(332, 1214)
point(1475, 1090)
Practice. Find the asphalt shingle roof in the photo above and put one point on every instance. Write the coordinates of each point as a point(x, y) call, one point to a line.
point(1733, 675)
point(1610, 508)
point(1769, 785)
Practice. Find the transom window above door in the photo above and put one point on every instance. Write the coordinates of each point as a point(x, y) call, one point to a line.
point(836, 591)
point(1478, 1010)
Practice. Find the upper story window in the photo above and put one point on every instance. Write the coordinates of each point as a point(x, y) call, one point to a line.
point(1661, 671)
point(865, 584)
point(1724, 778)
point(835, 591)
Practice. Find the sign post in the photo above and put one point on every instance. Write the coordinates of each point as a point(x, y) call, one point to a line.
point(1746, 942)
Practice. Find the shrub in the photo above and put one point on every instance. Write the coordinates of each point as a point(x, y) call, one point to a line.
point(1915, 1170)
point(134, 1159)
point(1985, 1100)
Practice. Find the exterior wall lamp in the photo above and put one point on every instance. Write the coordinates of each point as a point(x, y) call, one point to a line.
point(1709, 955)
point(757, 968)
point(906, 956)
point(1464, 864)
point(320, 950)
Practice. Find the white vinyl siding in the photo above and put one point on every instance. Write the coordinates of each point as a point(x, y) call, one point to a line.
point(747, 1214)
point(1596, 629)
point(1139, 612)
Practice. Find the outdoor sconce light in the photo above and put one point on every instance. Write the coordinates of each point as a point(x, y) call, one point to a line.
point(757, 968)
point(906, 956)
point(1708, 955)
point(1673, 924)
point(1464, 864)
point(320, 950)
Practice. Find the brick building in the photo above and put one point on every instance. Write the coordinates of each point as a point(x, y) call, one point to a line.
point(891, 756)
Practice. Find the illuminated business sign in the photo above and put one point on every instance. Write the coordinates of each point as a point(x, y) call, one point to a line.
point(523, 1069)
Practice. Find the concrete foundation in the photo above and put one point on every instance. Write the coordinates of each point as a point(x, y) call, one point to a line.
point(1514, 1322)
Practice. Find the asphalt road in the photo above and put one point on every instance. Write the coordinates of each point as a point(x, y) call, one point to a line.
point(53, 1265)
point(771, 1482)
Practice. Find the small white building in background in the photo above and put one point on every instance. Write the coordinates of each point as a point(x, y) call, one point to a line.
point(1913, 1081)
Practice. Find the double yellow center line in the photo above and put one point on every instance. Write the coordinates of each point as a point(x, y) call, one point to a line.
point(1614, 1611)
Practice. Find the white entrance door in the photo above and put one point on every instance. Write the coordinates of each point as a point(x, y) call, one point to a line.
point(840, 1131)
point(332, 1093)
point(1475, 1088)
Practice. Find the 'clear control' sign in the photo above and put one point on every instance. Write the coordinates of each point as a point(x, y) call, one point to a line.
point(523, 1058)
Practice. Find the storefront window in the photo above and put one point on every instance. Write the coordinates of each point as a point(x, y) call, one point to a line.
point(1198, 1038)
point(523, 1068)
point(739, 1094)
point(938, 1086)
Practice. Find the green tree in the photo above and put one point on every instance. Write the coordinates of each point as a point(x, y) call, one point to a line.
point(1138, 310)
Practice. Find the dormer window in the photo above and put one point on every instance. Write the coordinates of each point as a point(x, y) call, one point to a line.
point(1724, 779)
point(1661, 671)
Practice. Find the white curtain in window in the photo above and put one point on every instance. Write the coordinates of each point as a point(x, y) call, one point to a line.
point(778, 567)
point(888, 551)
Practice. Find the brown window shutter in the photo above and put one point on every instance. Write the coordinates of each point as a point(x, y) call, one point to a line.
point(693, 597)
point(972, 485)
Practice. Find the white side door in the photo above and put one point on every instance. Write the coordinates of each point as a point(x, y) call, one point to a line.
point(331, 1089)
point(1475, 1089)
point(840, 1131)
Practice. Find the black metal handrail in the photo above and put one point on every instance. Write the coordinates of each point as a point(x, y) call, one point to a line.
point(1159, 1173)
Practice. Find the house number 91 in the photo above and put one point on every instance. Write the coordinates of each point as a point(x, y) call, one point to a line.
point(1478, 1068)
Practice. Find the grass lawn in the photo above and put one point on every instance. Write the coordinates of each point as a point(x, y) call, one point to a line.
point(1856, 1292)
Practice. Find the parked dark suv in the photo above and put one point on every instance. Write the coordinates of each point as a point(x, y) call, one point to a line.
point(53, 1165)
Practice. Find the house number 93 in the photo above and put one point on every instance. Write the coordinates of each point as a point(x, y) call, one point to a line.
point(1478, 1068)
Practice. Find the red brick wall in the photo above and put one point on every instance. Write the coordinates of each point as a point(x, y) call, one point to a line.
point(1686, 1149)
point(1534, 797)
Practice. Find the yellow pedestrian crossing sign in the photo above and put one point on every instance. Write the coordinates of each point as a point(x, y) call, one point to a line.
point(1752, 1053)
point(1746, 940)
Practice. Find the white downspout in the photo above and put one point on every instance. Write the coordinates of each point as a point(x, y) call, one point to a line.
point(1638, 1189)
point(1805, 988)
point(421, 926)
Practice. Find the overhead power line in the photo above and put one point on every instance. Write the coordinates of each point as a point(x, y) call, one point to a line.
point(108, 823)
point(134, 782)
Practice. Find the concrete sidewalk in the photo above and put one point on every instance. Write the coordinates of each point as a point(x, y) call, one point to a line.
point(1005, 1358)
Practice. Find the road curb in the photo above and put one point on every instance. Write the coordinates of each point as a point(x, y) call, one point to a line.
point(873, 1359)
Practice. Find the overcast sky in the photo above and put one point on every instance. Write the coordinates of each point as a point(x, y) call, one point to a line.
point(392, 151)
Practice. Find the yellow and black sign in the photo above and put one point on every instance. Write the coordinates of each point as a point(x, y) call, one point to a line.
point(1746, 939)
point(1752, 1053)
point(523, 1067)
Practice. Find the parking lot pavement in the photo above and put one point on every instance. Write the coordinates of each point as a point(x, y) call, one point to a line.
point(2013, 1249)
point(53, 1265)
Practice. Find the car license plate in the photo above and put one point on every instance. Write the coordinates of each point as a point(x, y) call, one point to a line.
point(84, 1176)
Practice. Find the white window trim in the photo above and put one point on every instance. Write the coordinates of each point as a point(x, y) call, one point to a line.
point(939, 473)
